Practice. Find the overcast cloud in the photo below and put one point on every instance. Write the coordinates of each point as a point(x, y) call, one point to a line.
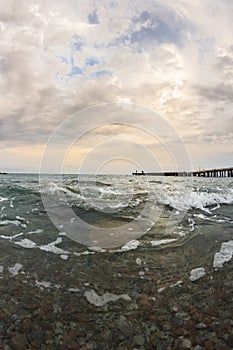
point(59, 57)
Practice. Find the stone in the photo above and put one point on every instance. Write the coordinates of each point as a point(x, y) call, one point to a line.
point(186, 343)
point(209, 345)
point(201, 326)
point(18, 342)
point(26, 325)
point(183, 343)
point(195, 274)
point(139, 339)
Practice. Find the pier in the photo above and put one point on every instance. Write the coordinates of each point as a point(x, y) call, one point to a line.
point(221, 172)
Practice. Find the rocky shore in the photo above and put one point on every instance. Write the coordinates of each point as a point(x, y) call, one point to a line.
point(71, 313)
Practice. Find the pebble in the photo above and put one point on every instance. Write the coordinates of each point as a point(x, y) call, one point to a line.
point(139, 339)
point(186, 344)
point(195, 274)
point(201, 326)
point(18, 342)
point(183, 343)
point(26, 325)
point(209, 345)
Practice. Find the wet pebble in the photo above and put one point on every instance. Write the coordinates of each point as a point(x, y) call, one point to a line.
point(139, 339)
point(18, 342)
point(183, 343)
point(201, 326)
point(26, 325)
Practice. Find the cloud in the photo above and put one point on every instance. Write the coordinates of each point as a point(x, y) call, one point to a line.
point(60, 57)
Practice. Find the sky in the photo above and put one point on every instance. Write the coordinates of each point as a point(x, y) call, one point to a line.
point(114, 86)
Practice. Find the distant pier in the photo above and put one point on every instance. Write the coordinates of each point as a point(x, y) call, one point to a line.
point(222, 172)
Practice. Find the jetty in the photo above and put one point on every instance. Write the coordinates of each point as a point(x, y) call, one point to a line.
point(221, 172)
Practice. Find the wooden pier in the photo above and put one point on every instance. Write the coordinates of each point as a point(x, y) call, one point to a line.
point(222, 172)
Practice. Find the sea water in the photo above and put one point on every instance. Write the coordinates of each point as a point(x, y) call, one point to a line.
point(170, 228)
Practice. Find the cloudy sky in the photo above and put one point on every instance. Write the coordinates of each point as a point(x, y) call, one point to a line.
point(172, 58)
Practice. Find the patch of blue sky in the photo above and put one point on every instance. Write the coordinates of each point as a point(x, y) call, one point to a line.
point(101, 73)
point(64, 59)
point(119, 41)
point(60, 80)
point(77, 44)
point(90, 61)
point(93, 18)
point(144, 16)
point(151, 29)
point(158, 32)
point(75, 70)
point(67, 59)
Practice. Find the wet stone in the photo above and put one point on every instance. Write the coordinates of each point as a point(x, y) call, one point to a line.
point(26, 325)
point(201, 326)
point(139, 339)
point(18, 341)
point(183, 343)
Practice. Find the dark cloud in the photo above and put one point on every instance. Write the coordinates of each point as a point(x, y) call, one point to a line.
point(222, 92)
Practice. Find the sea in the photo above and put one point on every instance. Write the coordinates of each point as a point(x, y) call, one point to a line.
point(101, 234)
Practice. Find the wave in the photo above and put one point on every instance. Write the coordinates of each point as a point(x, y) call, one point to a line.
point(185, 199)
point(121, 193)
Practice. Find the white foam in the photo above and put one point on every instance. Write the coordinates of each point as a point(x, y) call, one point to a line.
point(224, 255)
point(162, 241)
point(12, 237)
point(36, 231)
point(62, 234)
point(26, 243)
point(1, 269)
point(182, 198)
point(64, 257)
point(139, 261)
point(3, 199)
point(86, 252)
point(12, 222)
point(197, 273)
point(99, 301)
point(51, 247)
point(97, 249)
point(128, 246)
point(213, 218)
point(20, 218)
point(14, 270)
